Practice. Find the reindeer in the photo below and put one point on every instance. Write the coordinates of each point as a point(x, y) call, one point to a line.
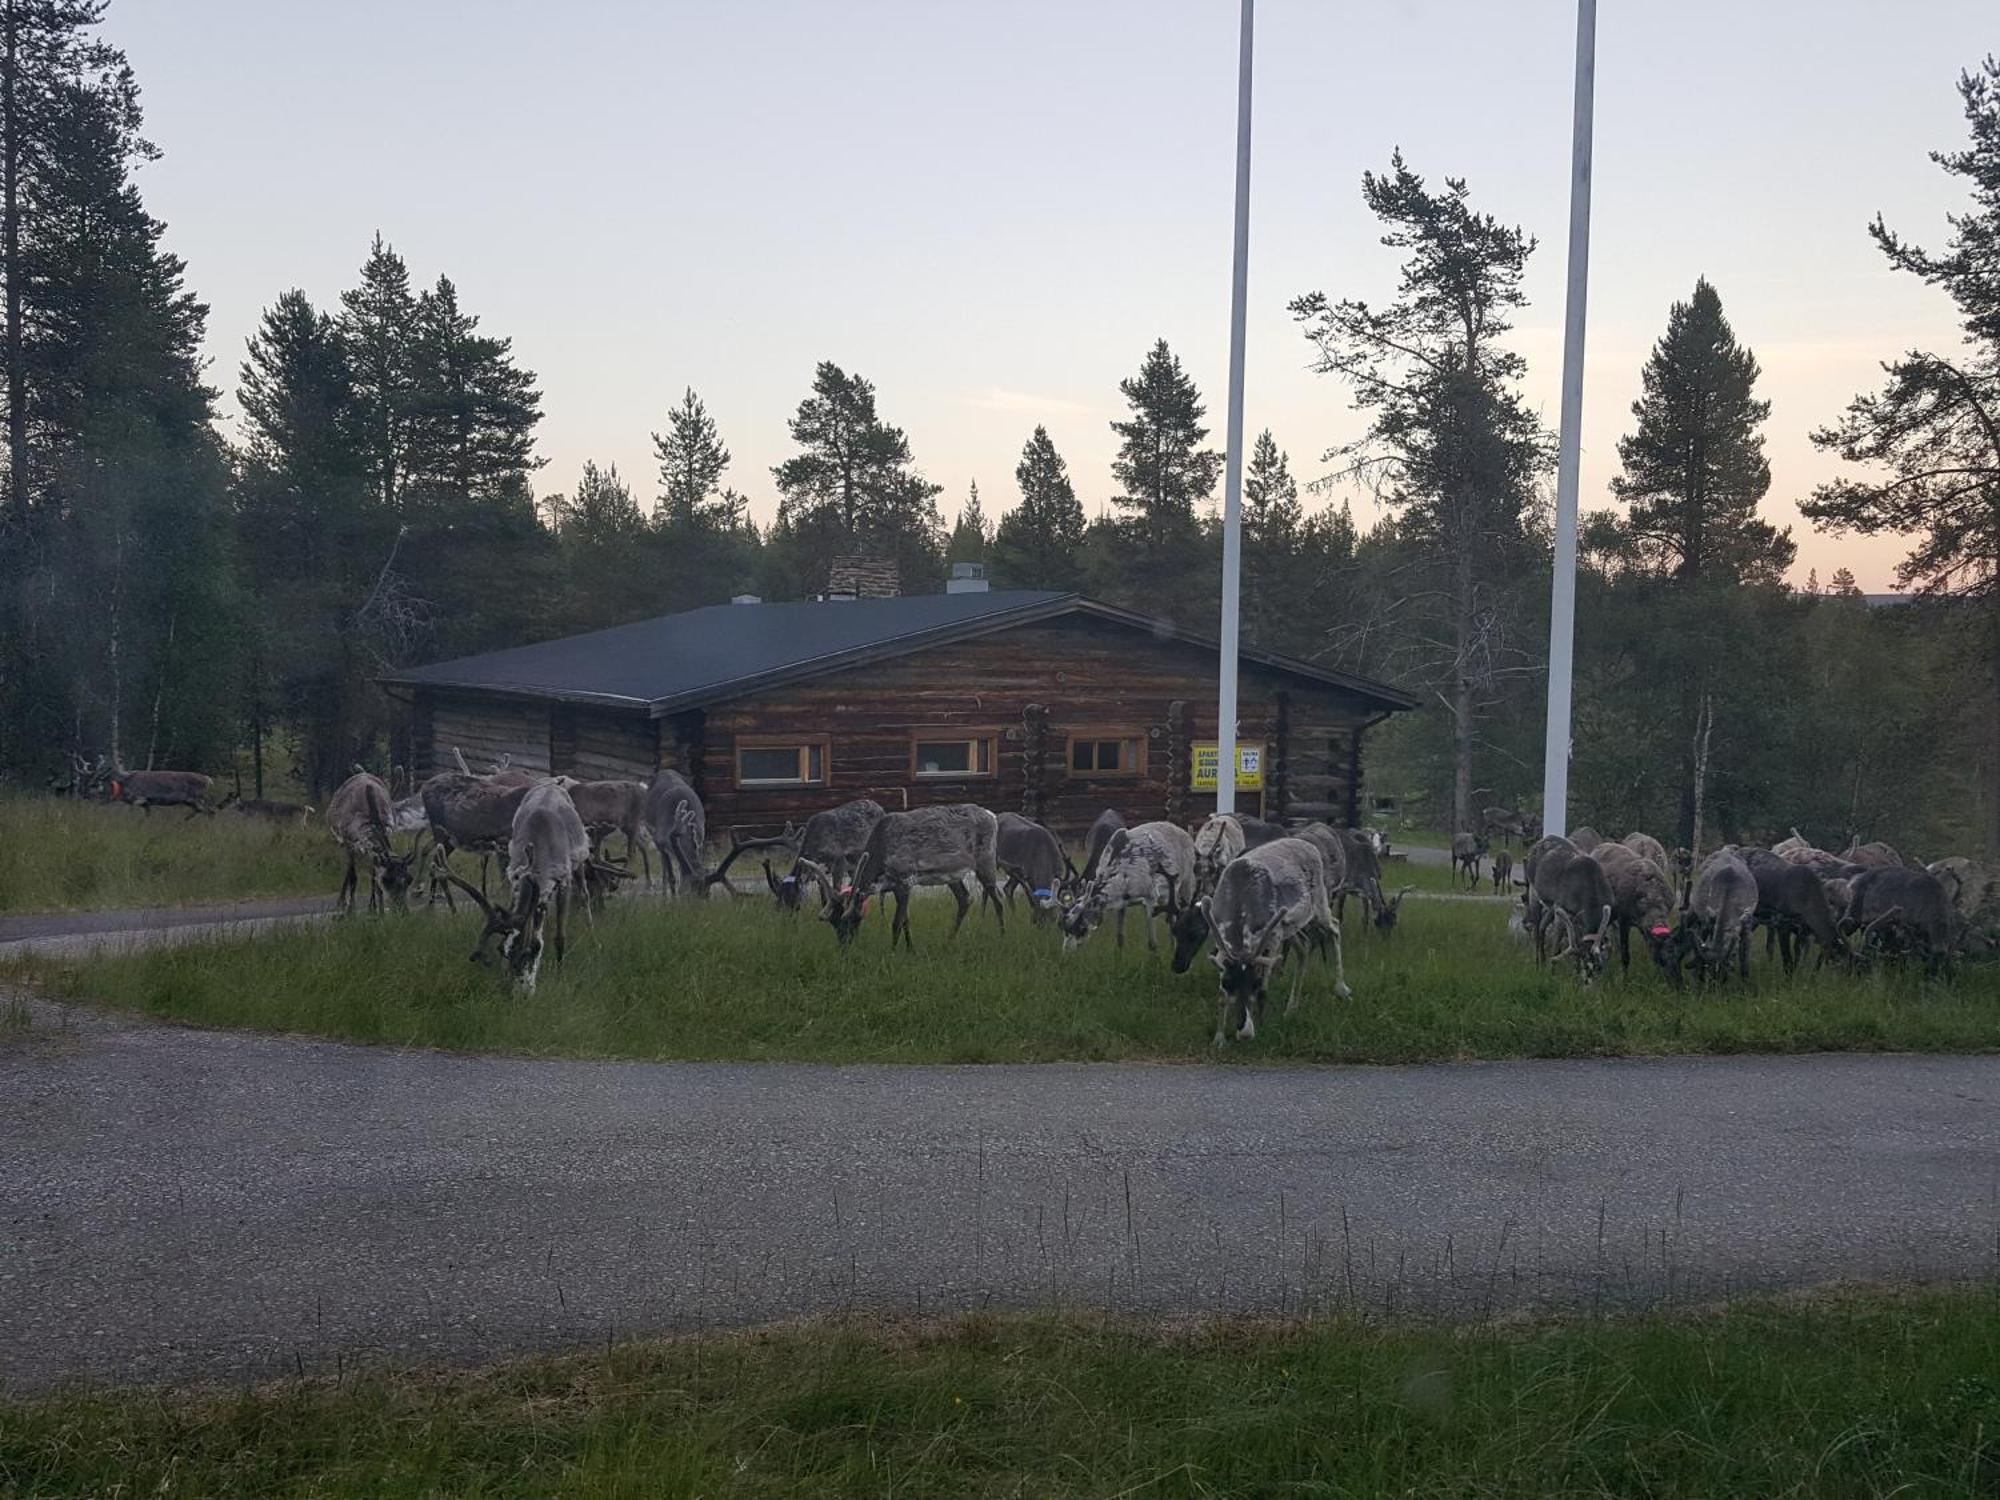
point(1503, 871)
point(264, 810)
point(1875, 856)
point(1570, 897)
point(826, 850)
point(86, 778)
point(1467, 849)
point(1219, 840)
point(1517, 824)
point(1586, 839)
point(679, 826)
point(149, 789)
point(1647, 847)
point(1363, 849)
point(1716, 921)
point(470, 813)
point(1973, 888)
point(1151, 867)
point(1190, 927)
point(1640, 899)
point(1260, 831)
point(548, 859)
point(1106, 823)
point(1793, 907)
point(1266, 905)
point(357, 815)
point(609, 807)
point(954, 846)
point(1901, 910)
point(1032, 859)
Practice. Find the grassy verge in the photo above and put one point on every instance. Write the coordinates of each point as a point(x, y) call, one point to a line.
point(737, 980)
point(59, 855)
point(1855, 1397)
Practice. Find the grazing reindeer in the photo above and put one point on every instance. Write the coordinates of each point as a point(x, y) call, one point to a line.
point(826, 848)
point(548, 860)
point(955, 846)
point(1032, 859)
point(1973, 889)
point(1190, 928)
point(1875, 856)
point(1509, 823)
point(1260, 831)
point(1503, 871)
point(1107, 823)
point(358, 817)
point(1569, 897)
point(470, 813)
point(1586, 839)
point(1219, 840)
point(1467, 849)
point(679, 825)
point(1151, 867)
point(1642, 900)
point(1266, 905)
point(1363, 848)
point(609, 807)
point(1719, 914)
point(1902, 911)
point(1785, 848)
point(149, 789)
point(1792, 904)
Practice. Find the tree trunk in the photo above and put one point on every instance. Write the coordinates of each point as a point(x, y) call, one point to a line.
point(1461, 694)
point(1704, 725)
point(1993, 745)
point(10, 259)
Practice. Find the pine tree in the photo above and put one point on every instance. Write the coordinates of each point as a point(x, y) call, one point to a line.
point(971, 536)
point(1272, 524)
point(853, 486)
point(1039, 543)
point(1161, 468)
point(378, 325)
point(692, 463)
point(1455, 449)
point(1843, 585)
point(1935, 425)
point(1694, 466)
point(601, 513)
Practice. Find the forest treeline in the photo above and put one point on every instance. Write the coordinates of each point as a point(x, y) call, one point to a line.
point(168, 597)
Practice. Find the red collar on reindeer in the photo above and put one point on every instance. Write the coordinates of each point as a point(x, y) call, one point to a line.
point(1663, 932)
point(117, 789)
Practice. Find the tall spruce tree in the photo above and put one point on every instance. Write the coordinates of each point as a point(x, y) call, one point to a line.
point(473, 409)
point(1694, 472)
point(1273, 524)
point(692, 462)
point(1038, 544)
point(1451, 446)
point(854, 486)
point(378, 325)
point(971, 536)
point(1161, 469)
point(1933, 430)
point(1694, 466)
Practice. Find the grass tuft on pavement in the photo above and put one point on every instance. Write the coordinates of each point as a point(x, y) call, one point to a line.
point(1861, 1396)
point(734, 979)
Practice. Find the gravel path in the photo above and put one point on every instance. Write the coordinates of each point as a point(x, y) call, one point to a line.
point(179, 1204)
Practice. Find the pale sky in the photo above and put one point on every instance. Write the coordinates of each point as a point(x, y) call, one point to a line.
point(991, 208)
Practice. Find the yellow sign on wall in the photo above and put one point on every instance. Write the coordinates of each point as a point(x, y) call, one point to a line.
point(1249, 766)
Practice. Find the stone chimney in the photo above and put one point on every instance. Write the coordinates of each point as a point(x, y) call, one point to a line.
point(863, 576)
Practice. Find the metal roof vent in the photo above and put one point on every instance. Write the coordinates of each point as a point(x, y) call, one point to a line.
point(966, 578)
point(745, 599)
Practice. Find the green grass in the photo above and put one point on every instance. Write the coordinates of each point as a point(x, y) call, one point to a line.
point(1858, 1396)
point(737, 980)
point(62, 855)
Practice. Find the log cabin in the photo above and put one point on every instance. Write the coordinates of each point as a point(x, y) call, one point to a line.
point(1049, 704)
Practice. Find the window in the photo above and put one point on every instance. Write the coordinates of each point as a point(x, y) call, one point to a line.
point(780, 762)
point(951, 758)
point(1107, 752)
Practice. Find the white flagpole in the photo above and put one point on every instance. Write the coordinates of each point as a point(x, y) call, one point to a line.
point(1562, 596)
point(1232, 474)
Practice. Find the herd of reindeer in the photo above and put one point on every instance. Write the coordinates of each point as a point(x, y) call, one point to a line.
point(1256, 893)
point(1864, 904)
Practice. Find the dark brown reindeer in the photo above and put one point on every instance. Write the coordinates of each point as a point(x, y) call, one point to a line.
point(955, 846)
point(147, 790)
point(609, 807)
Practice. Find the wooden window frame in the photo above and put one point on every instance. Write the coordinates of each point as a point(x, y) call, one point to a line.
point(954, 734)
point(1097, 734)
point(800, 742)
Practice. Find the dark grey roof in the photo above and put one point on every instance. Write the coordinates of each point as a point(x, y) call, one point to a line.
point(726, 650)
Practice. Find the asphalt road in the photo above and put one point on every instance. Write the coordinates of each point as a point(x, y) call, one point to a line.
point(180, 1204)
